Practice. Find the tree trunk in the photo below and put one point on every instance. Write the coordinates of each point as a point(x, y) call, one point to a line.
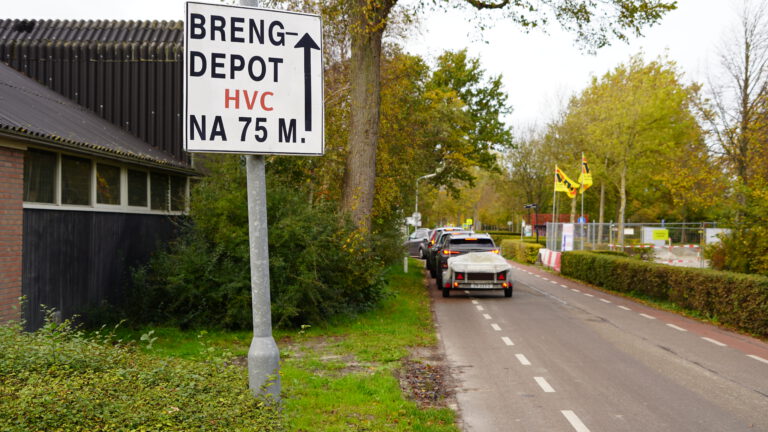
point(623, 203)
point(365, 104)
point(601, 219)
point(573, 208)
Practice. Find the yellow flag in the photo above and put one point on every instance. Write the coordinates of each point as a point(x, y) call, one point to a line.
point(585, 178)
point(565, 184)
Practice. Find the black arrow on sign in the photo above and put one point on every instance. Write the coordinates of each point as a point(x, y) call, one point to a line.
point(308, 44)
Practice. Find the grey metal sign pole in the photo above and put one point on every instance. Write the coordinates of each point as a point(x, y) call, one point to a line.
point(263, 355)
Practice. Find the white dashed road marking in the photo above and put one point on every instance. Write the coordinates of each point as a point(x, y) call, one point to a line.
point(545, 278)
point(486, 316)
point(553, 282)
point(523, 361)
point(480, 308)
point(575, 290)
point(507, 341)
point(563, 286)
point(475, 302)
point(760, 359)
point(604, 300)
point(496, 327)
point(647, 316)
point(544, 385)
point(718, 343)
point(625, 308)
point(574, 420)
point(676, 327)
point(588, 295)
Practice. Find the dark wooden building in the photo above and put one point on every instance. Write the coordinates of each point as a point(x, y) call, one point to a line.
point(92, 171)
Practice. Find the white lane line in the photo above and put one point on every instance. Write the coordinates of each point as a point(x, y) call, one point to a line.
point(718, 343)
point(625, 308)
point(605, 300)
point(538, 276)
point(676, 327)
point(545, 278)
point(523, 361)
point(480, 308)
point(575, 421)
point(575, 290)
point(563, 286)
point(507, 341)
point(588, 295)
point(553, 282)
point(647, 316)
point(475, 302)
point(544, 385)
point(760, 359)
point(486, 316)
point(495, 327)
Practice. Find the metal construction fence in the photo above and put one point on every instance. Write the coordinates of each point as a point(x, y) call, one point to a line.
point(678, 244)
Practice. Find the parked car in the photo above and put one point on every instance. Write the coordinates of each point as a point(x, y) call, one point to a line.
point(416, 240)
point(455, 244)
point(481, 271)
point(434, 246)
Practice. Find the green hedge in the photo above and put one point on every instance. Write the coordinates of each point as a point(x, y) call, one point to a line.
point(519, 251)
point(733, 299)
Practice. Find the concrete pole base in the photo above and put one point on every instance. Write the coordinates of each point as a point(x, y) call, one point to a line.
point(264, 367)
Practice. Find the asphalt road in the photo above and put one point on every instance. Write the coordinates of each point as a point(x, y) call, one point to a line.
point(560, 356)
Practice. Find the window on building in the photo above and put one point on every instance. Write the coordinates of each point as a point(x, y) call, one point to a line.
point(137, 188)
point(158, 191)
point(178, 193)
point(107, 184)
point(39, 176)
point(75, 180)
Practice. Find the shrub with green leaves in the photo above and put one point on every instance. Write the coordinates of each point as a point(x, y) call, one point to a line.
point(734, 299)
point(59, 379)
point(522, 252)
point(319, 264)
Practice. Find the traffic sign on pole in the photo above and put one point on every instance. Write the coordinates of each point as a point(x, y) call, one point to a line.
point(253, 81)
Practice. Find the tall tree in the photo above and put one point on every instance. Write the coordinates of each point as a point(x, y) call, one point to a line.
point(635, 118)
point(593, 22)
point(734, 114)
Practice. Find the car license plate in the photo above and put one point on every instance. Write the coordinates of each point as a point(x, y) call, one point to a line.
point(482, 286)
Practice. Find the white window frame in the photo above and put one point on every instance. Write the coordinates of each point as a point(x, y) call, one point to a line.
point(123, 207)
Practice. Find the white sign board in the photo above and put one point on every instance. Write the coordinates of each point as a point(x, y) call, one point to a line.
point(567, 244)
point(253, 81)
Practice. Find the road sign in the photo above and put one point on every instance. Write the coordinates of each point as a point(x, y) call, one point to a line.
point(253, 81)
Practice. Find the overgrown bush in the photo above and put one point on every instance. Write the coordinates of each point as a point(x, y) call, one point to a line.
point(319, 264)
point(519, 251)
point(734, 299)
point(59, 379)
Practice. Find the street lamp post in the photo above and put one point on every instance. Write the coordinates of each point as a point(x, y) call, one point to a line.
point(416, 210)
point(529, 207)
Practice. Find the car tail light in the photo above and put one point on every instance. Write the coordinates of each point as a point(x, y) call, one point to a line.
point(450, 252)
point(455, 284)
point(501, 276)
point(504, 285)
point(447, 284)
point(496, 251)
point(459, 276)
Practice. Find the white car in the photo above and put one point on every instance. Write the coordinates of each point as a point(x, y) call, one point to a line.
point(481, 271)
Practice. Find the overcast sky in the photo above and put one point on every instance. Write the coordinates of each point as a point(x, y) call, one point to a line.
point(540, 70)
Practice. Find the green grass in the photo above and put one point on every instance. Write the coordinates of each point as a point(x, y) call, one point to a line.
point(340, 376)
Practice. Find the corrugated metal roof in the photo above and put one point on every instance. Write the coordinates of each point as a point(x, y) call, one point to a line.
point(92, 30)
point(32, 111)
point(127, 72)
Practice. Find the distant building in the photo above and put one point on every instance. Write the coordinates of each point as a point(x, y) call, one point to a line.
point(92, 170)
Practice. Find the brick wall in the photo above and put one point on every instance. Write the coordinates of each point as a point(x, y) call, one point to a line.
point(11, 179)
